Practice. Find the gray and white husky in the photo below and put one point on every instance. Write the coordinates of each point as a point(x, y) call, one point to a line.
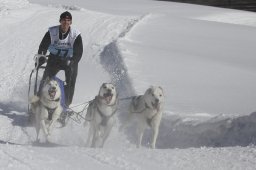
point(47, 107)
point(101, 115)
point(146, 110)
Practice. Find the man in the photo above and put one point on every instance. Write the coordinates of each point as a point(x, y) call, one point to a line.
point(66, 48)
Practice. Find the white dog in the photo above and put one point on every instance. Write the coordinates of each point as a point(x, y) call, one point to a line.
point(147, 111)
point(46, 108)
point(100, 114)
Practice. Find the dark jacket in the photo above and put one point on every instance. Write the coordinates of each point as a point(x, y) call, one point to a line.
point(77, 47)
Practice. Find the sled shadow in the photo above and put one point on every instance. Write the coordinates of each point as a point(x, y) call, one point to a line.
point(17, 114)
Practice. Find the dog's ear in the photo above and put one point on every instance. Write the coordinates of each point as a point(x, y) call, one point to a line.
point(113, 84)
point(104, 85)
point(161, 88)
point(149, 90)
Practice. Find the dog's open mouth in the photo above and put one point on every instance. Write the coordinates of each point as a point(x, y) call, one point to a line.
point(108, 97)
point(52, 93)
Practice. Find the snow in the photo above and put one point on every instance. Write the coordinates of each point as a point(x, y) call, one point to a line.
point(18, 157)
point(203, 57)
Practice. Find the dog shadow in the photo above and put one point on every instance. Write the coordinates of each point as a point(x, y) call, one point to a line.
point(16, 113)
point(37, 144)
point(47, 144)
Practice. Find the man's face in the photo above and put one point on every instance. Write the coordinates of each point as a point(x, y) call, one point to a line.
point(65, 24)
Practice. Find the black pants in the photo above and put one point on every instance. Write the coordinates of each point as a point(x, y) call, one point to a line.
point(54, 65)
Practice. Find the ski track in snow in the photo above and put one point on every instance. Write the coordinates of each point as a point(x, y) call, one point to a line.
point(175, 131)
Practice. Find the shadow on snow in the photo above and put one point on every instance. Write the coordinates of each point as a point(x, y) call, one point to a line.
point(13, 111)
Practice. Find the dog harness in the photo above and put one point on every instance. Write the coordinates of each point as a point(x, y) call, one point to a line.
point(51, 110)
point(62, 48)
point(105, 118)
point(135, 106)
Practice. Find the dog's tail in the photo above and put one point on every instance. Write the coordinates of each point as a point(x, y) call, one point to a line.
point(33, 99)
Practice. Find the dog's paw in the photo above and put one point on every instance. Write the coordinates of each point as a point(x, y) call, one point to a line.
point(33, 99)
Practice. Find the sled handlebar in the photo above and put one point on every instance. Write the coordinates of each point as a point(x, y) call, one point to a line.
point(37, 58)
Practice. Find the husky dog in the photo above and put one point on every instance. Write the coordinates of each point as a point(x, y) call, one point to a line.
point(100, 114)
point(46, 108)
point(147, 111)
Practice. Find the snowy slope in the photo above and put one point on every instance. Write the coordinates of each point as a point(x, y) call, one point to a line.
point(207, 71)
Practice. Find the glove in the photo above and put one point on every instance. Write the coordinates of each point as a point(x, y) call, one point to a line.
point(42, 60)
point(39, 60)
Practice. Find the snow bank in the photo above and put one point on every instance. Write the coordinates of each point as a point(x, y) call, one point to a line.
point(219, 131)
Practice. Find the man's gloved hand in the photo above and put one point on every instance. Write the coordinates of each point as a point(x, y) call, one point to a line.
point(39, 60)
point(42, 60)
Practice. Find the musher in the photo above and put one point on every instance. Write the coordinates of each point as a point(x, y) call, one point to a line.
point(66, 48)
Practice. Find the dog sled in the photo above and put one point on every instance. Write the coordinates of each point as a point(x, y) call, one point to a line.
point(67, 113)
